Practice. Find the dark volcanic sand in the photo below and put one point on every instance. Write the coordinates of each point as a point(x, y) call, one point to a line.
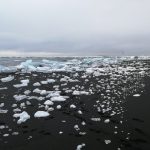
point(132, 134)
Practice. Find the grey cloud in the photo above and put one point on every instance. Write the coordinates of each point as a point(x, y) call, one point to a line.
point(110, 27)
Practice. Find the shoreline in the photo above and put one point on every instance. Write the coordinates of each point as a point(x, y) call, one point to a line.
point(98, 109)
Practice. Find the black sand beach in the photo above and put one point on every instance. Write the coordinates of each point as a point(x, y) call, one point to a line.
point(109, 118)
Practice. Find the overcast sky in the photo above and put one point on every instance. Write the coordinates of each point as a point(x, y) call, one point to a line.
point(74, 27)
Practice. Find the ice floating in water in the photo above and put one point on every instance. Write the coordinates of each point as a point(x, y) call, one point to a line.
point(43, 69)
point(23, 117)
point(39, 114)
point(88, 64)
point(27, 66)
point(7, 79)
point(50, 66)
point(10, 69)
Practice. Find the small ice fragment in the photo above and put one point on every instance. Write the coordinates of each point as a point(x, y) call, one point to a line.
point(116, 127)
point(82, 133)
point(19, 85)
point(136, 95)
point(80, 93)
point(96, 119)
point(37, 84)
point(50, 80)
point(15, 133)
point(63, 121)
point(7, 79)
point(76, 93)
point(107, 141)
point(37, 91)
point(83, 123)
point(22, 117)
point(39, 114)
point(23, 83)
point(2, 104)
point(27, 92)
point(107, 121)
point(3, 88)
point(63, 80)
point(44, 82)
point(48, 102)
point(60, 132)
point(53, 94)
point(84, 92)
point(79, 147)
point(3, 111)
point(58, 107)
point(80, 112)
point(28, 103)
point(43, 92)
point(2, 127)
point(76, 127)
point(58, 98)
point(22, 105)
point(26, 81)
point(40, 98)
point(51, 109)
point(30, 137)
point(19, 97)
point(5, 135)
point(16, 110)
point(72, 106)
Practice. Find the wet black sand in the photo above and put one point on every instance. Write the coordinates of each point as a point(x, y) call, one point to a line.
point(133, 132)
point(138, 112)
